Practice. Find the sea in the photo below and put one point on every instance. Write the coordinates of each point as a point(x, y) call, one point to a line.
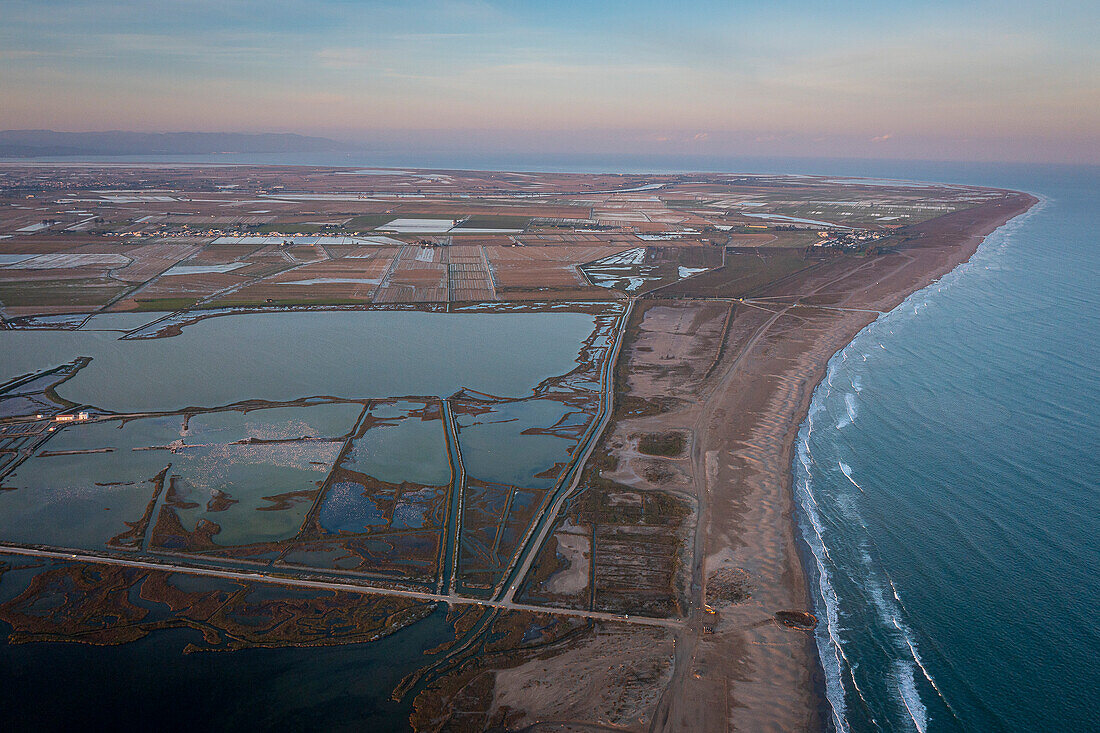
point(948, 488)
point(947, 477)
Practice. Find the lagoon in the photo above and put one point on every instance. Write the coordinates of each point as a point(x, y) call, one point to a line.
point(286, 356)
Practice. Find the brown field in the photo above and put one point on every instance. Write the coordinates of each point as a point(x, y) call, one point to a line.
point(151, 260)
point(527, 268)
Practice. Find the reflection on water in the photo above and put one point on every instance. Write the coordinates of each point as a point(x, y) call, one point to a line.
point(503, 445)
point(287, 356)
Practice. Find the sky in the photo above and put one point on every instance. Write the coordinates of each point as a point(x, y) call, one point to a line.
point(925, 79)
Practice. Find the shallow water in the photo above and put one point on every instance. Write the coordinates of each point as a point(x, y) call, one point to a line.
point(495, 448)
point(287, 356)
point(405, 448)
point(229, 468)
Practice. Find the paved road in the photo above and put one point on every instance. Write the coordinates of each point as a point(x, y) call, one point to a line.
point(449, 566)
point(346, 587)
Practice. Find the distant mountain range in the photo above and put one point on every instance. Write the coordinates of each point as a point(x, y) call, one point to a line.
point(31, 143)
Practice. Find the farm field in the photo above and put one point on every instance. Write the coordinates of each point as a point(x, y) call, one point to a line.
point(462, 425)
point(84, 239)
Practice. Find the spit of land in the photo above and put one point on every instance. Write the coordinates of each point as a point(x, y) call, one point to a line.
point(296, 406)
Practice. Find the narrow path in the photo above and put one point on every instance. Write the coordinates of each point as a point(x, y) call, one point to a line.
point(452, 541)
point(345, 587)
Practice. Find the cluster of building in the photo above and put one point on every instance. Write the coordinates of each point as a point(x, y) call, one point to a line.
point(849, 240)
point(67, 417)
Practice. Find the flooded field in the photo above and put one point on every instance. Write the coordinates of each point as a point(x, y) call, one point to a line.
point(642, 269)
point(414, 447)
point(387, 449)
point(288, 356)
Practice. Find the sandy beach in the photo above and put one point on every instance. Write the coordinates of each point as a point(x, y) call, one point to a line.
point(738, 376)
point(758, 672)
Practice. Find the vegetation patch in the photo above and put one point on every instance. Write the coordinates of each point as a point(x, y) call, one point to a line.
point(668, 445)
point(164, 304)
point(59, 292)
point(630, 406)
point(657, 472)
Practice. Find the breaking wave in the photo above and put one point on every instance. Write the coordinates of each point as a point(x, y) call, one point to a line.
point(869, 653)
point(851, 410)
point(847, 471)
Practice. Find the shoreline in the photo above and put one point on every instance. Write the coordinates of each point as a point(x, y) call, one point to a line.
point(681, 547)
point(741, 386)
point(736, 665)
point(965, 248)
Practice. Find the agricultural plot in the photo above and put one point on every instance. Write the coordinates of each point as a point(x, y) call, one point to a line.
point(468, 276)
point(175, 292)
point(58, 295)
point(150, 260)
point(521, 273)
point(58, 277)
point(329, 281)
point(417, 275)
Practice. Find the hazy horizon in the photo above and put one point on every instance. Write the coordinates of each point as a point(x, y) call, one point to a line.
point(927, 81)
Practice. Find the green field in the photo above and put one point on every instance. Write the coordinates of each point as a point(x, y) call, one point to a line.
point(164, 304)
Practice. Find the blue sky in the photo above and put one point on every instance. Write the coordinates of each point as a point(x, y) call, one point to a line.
point(983, 80)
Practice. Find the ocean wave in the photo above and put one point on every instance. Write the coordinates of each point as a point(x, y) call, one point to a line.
point(908, 637)
point(847, 471)
point(905, 658)
point(830, 650)
point(851, 411)
point(840, 678)
point(908, 695)
point(905, 643)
